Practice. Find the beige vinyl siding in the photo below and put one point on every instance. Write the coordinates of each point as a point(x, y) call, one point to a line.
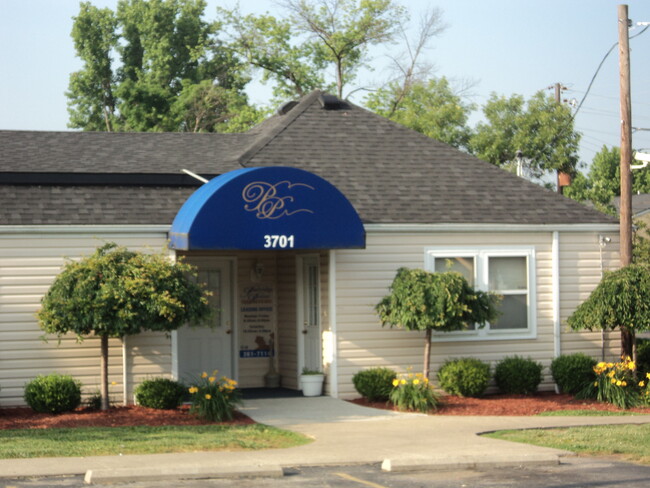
point(363, 277)
point(29, 262)
point(580, 273)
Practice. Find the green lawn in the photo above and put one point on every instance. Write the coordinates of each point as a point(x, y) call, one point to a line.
point(92, 441)
point(631, 442)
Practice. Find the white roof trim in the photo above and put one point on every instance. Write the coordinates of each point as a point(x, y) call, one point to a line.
point(84, 229)
point(380, 228)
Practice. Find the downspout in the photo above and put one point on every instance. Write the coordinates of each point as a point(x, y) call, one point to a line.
point(334, 374)
point(602, 242)
point(557, 326)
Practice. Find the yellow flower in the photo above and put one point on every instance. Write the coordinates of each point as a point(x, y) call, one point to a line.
point(647, 375)
point(623, 383)
point(208, 396)
point(416, 382)
point(403, 382)
point(641, 384)
point(601, 365)
point(395, 382)
point(212, 379)
point(204, 375)
point(613, 381)
point(619, 383)
point(631, 365)
point(595, 383)
point(193, 390)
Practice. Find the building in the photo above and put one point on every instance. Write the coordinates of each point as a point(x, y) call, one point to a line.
point(299, 233)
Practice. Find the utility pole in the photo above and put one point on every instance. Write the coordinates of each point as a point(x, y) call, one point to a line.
point(627, 336)
point(563, 179)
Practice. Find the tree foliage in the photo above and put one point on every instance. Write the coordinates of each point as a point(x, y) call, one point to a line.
point(541, 128)
point(620, 301)
point(431, 108)
point(116, 292)
point(420, 300)
point(168, 56)
point(341, 31)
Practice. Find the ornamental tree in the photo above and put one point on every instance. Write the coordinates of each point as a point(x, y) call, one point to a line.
point(420, 300)
point(621, 300)
point(116, 292)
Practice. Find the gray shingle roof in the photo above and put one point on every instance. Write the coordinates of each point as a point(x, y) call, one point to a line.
point(389, 173)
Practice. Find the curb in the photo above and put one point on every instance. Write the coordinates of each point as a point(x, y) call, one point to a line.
point(180, 472)
point(420, 464)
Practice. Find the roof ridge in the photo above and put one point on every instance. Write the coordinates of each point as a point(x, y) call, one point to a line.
point(266, 137)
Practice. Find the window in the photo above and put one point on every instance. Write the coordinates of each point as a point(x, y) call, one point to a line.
point(507, 272)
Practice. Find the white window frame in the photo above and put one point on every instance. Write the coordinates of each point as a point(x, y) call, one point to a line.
point(481, 255)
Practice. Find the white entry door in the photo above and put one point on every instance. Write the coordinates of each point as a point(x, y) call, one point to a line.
point(209, 348)
point(309, 323)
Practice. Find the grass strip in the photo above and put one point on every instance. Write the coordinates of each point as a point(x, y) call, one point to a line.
point(630, 442)
point(107, 441)
point(583, 413)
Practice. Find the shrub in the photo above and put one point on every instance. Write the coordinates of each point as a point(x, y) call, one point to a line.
point(161, 393)
point(615, 384)
point(573, 372)
point(213, 398)
point(53, 393)
point(414, 392)
point(643, 356)
point(467, 377)
point(515, 374)
point(375, 384)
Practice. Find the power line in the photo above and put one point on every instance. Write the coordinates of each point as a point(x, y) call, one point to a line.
point(593, 78)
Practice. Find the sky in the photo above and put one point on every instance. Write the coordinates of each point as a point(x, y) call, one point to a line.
point(498, 46)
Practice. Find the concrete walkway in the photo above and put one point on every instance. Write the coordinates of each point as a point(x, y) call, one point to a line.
point(343, 433)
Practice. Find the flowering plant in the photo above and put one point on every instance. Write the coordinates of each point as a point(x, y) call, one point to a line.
point(214, 398)
point(615, 383)
point(644, 386)
point(414, 392)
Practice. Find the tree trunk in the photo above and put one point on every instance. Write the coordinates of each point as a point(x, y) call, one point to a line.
point(427, 354)
point(627, 342)
point(104, 372)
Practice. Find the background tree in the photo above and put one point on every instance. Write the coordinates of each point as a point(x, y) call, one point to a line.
point(420, 300)
point(341, 31)
point(541, 128)
point(116, 292)
point(430, 108)
point(165, 49)
point(620, 301)
point(268, 44)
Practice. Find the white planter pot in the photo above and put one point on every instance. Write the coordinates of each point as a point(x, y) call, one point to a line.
point(312, 384)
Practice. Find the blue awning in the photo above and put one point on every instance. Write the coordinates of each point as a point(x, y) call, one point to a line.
point(267, 208)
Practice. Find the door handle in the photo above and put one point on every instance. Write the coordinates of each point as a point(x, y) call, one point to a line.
point(228, 331)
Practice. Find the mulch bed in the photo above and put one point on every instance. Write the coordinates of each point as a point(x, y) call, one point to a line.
point(518, 405)
point(26, 418)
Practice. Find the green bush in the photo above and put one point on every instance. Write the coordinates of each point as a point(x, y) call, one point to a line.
point(466, 377)
point(515, 374)
point(161, 393)
point(375, 384)
point(643, 356)
point(53, 393)
point(573, 372)
point(414, 392)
